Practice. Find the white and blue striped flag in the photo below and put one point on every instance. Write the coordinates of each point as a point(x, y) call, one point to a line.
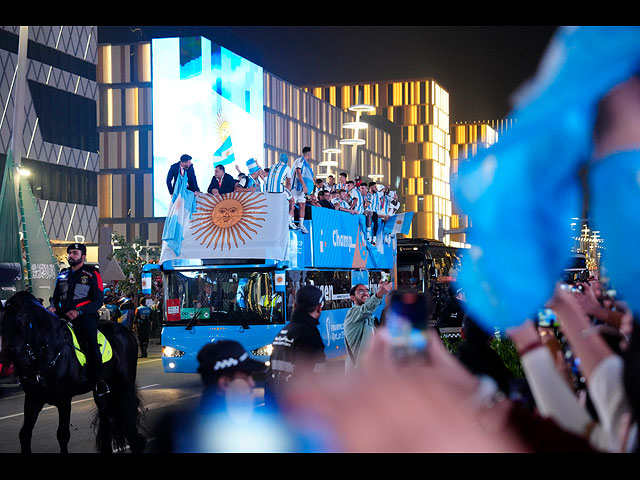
point(183, 205)
point(399, 223)
point(224, 153)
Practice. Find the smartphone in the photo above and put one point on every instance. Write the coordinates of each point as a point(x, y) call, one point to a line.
point(406, 325)
point(547, 318)
point(385, 276)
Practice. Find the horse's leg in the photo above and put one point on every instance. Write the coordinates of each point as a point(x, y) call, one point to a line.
point(105, 421)
point(130, 404)
point(32, 408)
point(64, 419)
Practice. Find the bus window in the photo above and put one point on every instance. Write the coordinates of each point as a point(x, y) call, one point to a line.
point(336, 286)
point(221, 297)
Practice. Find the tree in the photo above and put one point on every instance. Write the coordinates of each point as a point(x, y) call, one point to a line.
point(132, 257)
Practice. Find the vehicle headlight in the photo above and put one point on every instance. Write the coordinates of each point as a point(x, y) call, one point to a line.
point(266, 350)
point(171, 352)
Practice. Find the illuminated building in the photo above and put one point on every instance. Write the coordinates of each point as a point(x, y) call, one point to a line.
point(58, 144)
point(420, 108)
point(466, 140)
point(130, 188)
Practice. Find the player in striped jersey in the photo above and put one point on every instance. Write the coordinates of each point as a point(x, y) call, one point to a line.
point(342, 181)
point(368, 212)
point(382, 205)
point(341, 202)
point(331, 186)
point(279, 180)
point(302, 183)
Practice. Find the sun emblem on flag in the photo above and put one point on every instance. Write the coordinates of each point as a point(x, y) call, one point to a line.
point(228, 219)
point(222, 127)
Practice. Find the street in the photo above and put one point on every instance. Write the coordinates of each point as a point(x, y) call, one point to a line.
point(159, 392)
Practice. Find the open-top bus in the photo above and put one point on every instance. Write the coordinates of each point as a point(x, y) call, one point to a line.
point(239, 266)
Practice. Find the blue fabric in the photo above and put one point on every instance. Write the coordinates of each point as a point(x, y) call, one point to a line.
point(615, 196)
point(522, 192)
point(183, 204)
point(307, 175)
point(252, 165)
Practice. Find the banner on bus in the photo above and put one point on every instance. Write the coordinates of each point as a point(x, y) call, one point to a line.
point(234, 225)
point(339, 241)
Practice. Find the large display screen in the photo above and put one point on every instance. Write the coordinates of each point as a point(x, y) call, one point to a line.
point(208, 102)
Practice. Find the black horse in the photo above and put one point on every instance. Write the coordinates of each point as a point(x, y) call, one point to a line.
point(40, 346)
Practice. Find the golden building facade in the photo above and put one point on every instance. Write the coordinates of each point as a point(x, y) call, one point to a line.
point(466, 140)
point(421, 109)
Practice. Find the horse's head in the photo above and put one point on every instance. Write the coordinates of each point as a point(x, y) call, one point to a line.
point(21, 305)
point(26, 325)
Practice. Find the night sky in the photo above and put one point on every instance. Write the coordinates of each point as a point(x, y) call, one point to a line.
point(480, 66)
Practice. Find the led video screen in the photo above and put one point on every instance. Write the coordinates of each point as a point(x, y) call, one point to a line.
point(207, 103)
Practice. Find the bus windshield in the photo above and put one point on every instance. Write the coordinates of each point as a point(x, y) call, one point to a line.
point(221, 297)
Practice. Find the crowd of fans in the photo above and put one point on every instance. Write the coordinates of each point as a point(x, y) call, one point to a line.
point(376, 202)
point(559, 383)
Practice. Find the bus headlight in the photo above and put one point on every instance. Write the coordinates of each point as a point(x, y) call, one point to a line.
point(266, 350)
point(171, 352)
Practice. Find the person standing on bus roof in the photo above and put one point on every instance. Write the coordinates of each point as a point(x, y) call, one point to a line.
point(302, 183)
point(298, 347)
point(179, 168)
point(359, 324)
point(279, 181)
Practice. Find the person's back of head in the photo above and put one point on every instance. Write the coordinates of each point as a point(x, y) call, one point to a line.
point(309, 300)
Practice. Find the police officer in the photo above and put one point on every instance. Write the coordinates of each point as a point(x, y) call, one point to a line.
point(77, 297)
point(298, 346)
point(142, 320)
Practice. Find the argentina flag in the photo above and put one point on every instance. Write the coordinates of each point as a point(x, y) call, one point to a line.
point(400, 223)
point(183, 204)
point(236, 225)
point(225, 153)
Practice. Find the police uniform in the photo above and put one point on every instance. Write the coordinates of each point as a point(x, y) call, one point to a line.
point(143, 320)
point(82, 290)
point(298, 342)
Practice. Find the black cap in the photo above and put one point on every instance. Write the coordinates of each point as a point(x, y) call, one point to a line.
point(224, 357)
point(308, 296)
point(77, 246)
point(185, 158)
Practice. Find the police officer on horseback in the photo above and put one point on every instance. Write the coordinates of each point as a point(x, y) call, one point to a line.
point(77, 297)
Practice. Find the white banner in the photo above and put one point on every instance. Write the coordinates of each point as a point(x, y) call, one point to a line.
point(235, 225)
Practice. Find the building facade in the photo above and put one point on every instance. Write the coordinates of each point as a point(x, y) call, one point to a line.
point(293, 119)
point(420, 108)
point(466, 140)
point(58, 143)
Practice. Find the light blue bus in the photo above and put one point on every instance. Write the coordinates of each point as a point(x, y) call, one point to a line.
point(240, 294)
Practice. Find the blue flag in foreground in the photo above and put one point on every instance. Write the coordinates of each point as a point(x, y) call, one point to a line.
point(522, 192)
